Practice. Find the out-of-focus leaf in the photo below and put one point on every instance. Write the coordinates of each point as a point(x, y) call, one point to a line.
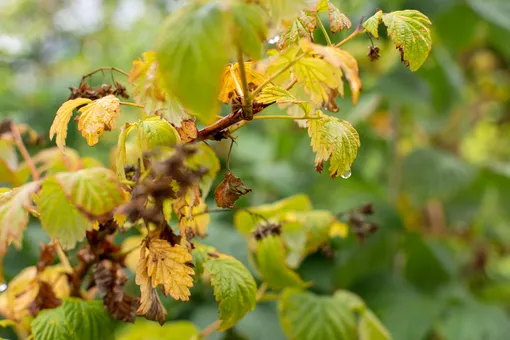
point(497, 11)
point(98, 116)
point(244, 221)
point(306, 316)
point(234, 288)
point(432, 173)
point(231, 80)
point(270, 256)
point(177, 330)
point(205, 158)
point(193, 48)
point(336, 139)
point(64, 113)
point(284, 9)
point(250, 22)
point(14, 206)
point(74, 319)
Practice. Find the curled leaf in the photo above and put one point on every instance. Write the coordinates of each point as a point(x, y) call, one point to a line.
point(98, 116)
point(64, 113)
point(229, 190)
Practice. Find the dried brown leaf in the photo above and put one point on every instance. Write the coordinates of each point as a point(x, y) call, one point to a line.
point(229, 190)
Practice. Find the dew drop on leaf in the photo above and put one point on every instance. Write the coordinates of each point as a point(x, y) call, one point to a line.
point(346, 174)
point(3, 287)
point(274, 39)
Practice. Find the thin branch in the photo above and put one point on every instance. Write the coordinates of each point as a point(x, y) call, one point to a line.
point(262, 289)
point(285, 117)
point(247, 99)
point(229, 152)
point(359, 30)
point(132, 104)
point(323, 29)
point(211, 328)
point(63, 258)
point(23, 150)
point(106, 68)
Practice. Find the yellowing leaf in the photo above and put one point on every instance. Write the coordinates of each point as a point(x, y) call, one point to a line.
point(95, 192)
point(52, 160)
point(372, 24)
point(64, 113)
point(339, 59)
point(245, 222)
point(98, 116)
point(190, 210)
point(205, 158)
point(231, 80)
point(234, 288)
point(317, 76)
point(270, 256)
point(148, 89)
point(274, 94)
point(14, 214)
point(410, 33)
point(337, 20)
point(147, 83)
point(301, 28)
point(339, 229)
point(193, 48)
point(23, 289)
point(167, 266)
point(335, 138)
point(284, 9)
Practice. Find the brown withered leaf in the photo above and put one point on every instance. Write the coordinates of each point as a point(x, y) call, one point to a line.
point(229, 190)
point(150, 303)
point(45, 299)
point(188, 130)
point(110, 286)
point(47, 256)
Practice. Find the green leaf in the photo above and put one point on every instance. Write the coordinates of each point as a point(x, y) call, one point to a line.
point(300, 28)
point(200, 256)
point(59, 217)
point(250, 22)
point(13, 214)
point(95, 191)
point(370, 328)
point(245, 222)
point(343, 316)
point(497, 11)
point(142, 329)
point(306, 316)
point(205, 158)
point(317, 224)
point(336, 139)
point(270, 257)
point(192, 50)
point(234, 288)
point(74, 319)
point(156, 131)
point(410, 33)
point(372, 24)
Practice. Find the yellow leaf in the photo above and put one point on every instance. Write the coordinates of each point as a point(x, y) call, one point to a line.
point(339, 59)
point(190, 210)
point(338, 229)
point(150, 303)
point(317, 77)
point(64, 113)
point(147, 87)
point(231, 80)
point(131, 246)
point(166, 265)
point(98, 116)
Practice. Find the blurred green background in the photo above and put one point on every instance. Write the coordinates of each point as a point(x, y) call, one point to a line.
point(434, 158)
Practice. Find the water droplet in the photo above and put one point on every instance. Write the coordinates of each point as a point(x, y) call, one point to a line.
point(3, 287)
point(274, 39)
point(346, 174)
